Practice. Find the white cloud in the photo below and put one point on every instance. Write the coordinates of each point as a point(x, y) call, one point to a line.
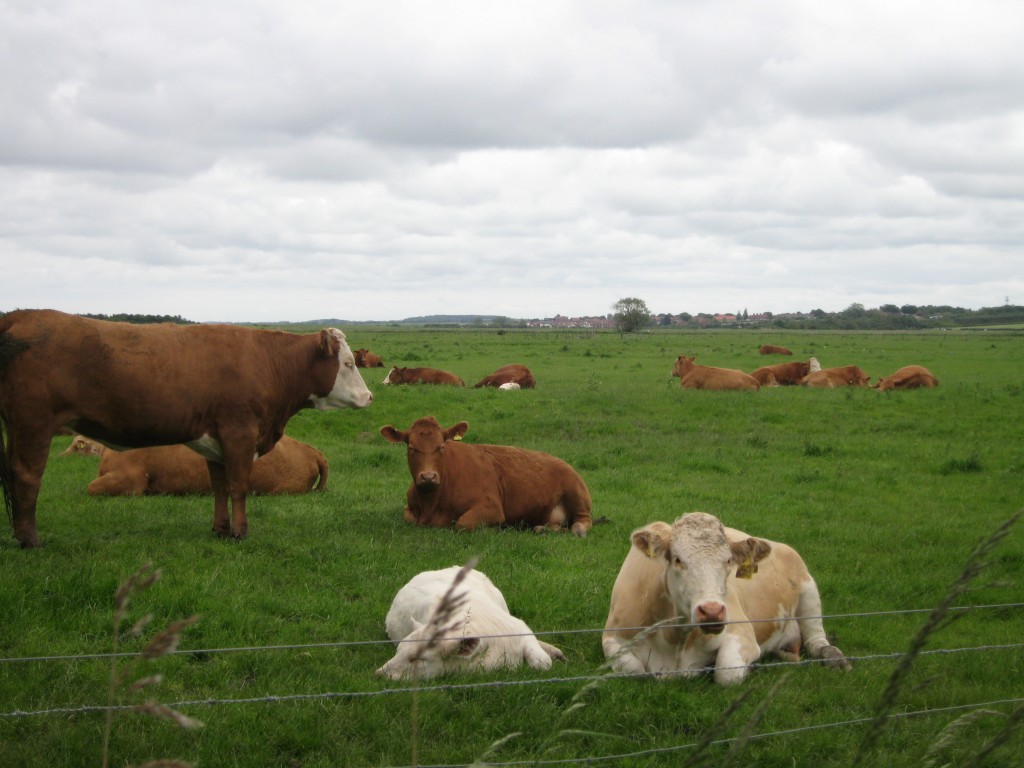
point(374, 160)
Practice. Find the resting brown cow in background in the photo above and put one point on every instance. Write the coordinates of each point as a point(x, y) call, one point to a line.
point(771, 349)
point(290, 467)
point(845, 376)
point(226, 391)
point(422, 376)
point(83, 446)
point(784, 374)
point(474, 485)
point(693, 376)
point(908, 377)
point(366, 359)
point(509, 374)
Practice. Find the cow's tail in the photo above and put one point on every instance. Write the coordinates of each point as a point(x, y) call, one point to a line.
point(321, 484)
point(6, 477)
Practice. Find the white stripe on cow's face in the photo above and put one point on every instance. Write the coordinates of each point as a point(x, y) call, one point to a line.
point(349, 389)
point(699, 563)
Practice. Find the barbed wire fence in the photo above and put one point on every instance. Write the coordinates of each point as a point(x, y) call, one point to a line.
point(284, 698)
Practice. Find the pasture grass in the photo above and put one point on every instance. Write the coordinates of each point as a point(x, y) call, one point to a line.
point(884, 494)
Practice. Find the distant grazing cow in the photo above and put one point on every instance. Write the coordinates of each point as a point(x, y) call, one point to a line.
point(366, 359)
point(693, 376)
point(509, 374)
point(226, 391)
point(908, 377)
point(783, 374)
point(479, 634)
point(474, 485)
point(290, 467)
point(422, 376)
point(771, 349)
point(685, 572)
point(845, 376)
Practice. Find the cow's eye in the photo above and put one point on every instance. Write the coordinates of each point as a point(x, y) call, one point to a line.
point(677, 562)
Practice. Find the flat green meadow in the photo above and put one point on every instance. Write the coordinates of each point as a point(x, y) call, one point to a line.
point(886, 495)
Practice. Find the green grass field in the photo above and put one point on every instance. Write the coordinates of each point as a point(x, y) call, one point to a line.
point(885, 495)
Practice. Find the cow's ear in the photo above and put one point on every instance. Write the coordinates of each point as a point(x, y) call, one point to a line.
point(748, 553)
point(392, 435)
point(330, 342)
point(456, 432)
point(653, 539)
point(468, 646)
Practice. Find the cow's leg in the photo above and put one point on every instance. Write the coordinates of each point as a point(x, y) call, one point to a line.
point(238, 458)
point(812, 630)
point(479, 515)
point(26, 459)
point(577, 502)
point(128, 482)
point(219, 484)
point(736, 653)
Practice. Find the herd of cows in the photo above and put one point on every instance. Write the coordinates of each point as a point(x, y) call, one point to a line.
point(807, 373)
point(192, 409)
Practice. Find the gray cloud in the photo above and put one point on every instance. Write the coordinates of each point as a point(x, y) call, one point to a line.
point(369, 160)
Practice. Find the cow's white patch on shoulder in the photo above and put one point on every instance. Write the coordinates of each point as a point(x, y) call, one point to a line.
point(208, 447)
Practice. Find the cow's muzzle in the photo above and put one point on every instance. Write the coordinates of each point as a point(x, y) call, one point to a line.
point(710, 617)
point(428, 481)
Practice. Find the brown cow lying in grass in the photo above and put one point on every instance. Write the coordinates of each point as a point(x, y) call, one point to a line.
point(844, 376)
point(366, 359)
point(175, 470)
point(783, 374)
point(693, 376)
point(474, 485)
point(908, 377)
point(509, 374)
point(422, 376)
point(771, 349)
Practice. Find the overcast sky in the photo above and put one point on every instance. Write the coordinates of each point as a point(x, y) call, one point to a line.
point(247, 160)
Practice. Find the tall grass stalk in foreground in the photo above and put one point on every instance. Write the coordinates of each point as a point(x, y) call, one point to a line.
point(443, 621)
point(161, 644)
point(939, 617)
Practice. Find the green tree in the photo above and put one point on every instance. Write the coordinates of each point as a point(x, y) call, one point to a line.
point(631, 315)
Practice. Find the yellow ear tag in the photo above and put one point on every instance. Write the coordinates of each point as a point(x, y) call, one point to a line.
point(457, 437)
point(747, 568)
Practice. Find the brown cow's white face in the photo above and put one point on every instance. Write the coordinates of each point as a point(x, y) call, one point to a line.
point(699, 560)
point(349, 389)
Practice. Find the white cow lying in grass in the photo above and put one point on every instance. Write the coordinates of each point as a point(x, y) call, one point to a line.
point(440, 630)
point(733, 592)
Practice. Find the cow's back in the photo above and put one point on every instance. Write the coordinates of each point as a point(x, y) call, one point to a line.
point(417, 600)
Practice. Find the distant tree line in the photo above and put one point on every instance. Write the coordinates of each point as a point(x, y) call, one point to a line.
point(142, 319)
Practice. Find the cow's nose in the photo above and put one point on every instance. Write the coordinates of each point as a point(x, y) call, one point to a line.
point(710, 616)
point(428, 478)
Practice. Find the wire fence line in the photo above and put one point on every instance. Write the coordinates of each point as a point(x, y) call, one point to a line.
point(490, 684)
point(594, 759)
point(548, 633)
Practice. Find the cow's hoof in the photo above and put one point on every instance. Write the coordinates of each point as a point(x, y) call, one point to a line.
point(834, 659)
point(30, 543)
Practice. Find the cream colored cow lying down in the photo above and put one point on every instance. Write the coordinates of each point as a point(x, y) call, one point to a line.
point(731, 590)
point(485, 636)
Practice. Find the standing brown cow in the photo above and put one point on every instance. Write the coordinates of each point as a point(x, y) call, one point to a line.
point(226, 391)
point(474, 485)
point(509, 374)
point(693, 376)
